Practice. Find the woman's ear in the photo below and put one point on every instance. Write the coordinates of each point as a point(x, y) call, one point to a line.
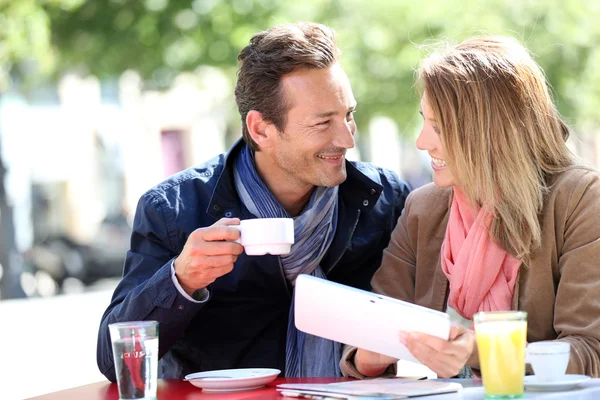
point(260, 130)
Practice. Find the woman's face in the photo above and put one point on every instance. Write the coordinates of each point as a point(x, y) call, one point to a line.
point(430, 141)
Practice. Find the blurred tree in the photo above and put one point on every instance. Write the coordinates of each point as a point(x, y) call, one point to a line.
point(25, 54)
point(161, 38)
point(382, 41)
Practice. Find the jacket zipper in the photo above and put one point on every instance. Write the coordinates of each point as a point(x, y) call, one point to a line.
point(285, 282)
point(347, 244)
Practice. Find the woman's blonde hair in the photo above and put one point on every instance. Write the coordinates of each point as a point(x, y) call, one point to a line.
point(501, 132)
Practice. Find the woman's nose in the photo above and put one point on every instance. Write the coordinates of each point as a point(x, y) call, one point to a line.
point(422, 142)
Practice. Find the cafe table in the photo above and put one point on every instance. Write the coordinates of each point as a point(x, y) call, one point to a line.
point(173, 389)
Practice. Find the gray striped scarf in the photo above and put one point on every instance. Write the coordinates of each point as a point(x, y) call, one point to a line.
point(314, 228)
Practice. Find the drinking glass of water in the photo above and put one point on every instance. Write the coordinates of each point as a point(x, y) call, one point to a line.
point(135, 353)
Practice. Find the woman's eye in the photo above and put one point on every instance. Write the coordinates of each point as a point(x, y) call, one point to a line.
point(436, 130)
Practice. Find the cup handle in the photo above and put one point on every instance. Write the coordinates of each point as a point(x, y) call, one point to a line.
point(239, 228)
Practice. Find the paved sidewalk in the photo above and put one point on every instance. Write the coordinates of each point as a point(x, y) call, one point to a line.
point(49, 344)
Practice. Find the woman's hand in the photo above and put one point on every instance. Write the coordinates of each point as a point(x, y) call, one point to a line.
point(369, 363)
point(444, 357)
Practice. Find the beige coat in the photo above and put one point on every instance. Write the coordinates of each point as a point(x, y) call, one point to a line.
point(559, 288)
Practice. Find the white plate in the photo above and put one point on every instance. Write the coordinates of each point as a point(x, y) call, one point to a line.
point(564, 383)
point(232, 380)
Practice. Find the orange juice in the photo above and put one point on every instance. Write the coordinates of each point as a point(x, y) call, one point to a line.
point(501, 345)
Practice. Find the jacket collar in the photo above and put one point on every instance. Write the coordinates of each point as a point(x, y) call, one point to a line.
point(357, 191)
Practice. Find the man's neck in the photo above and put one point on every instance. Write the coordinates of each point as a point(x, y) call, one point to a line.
point(292, 196)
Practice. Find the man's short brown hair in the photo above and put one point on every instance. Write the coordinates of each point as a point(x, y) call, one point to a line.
point(272, 54)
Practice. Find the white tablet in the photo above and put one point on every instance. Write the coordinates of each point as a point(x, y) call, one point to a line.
point(362, 319)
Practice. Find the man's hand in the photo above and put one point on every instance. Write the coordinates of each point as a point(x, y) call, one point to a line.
point(208, 254)
point(369, 363)
point(444, 357)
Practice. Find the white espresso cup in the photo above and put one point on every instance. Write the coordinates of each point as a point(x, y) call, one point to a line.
point(260, 236)
point(549, 359)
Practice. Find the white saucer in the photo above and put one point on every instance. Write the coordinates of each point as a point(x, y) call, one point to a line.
point(232, 380)
point(566, 382)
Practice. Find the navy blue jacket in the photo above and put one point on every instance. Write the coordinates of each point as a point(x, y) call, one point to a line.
point(244, 322)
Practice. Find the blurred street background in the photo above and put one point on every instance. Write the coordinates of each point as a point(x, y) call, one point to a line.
point(100, 100)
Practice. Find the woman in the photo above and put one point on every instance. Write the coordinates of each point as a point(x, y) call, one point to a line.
point(512, 220)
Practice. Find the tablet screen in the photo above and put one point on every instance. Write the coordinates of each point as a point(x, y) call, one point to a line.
point(362, 319)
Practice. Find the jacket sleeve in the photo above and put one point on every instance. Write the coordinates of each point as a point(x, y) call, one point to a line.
point(401, 191)
point(577, 304)
point(396, 275)
point(395, 278)
point(146, 291)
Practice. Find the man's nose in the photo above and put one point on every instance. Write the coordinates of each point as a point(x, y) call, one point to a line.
point(344, 136)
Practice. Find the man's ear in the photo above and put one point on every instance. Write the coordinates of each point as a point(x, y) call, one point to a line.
point(260, 129)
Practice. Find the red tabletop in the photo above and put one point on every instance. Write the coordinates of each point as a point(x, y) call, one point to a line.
point(180, 390)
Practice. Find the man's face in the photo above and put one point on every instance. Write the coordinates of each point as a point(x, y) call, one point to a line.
point(319, 128)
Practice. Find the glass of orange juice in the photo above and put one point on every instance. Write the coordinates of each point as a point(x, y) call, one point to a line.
point(501, 339)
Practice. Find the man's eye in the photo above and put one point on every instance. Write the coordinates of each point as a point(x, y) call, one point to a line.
point(350, 114)
point(323, 123)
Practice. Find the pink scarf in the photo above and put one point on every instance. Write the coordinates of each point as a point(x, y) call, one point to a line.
point(482, 275)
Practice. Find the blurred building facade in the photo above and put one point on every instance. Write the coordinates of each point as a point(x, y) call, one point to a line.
point(78, 161)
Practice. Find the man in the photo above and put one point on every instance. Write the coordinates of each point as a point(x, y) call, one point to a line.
point(217, 307)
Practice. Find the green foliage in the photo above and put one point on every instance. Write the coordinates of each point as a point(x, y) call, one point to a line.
point(160, 38)
point(25, 37)
point(382, 41)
